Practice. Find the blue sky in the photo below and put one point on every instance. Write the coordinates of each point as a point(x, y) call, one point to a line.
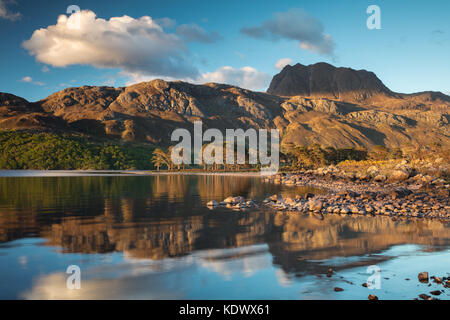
point(409, 54)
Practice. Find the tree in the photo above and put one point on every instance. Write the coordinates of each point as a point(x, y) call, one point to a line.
point(160, 158)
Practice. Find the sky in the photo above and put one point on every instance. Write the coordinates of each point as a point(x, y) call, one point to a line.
point(45, 47)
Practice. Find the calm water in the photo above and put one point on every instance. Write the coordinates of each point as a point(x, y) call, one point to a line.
point(151, 237)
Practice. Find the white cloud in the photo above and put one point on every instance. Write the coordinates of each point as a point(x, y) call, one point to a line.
point(140, 48)
point(280, 64)
point(138, 77)
point(27, 79)
point(295, 24)
point(246, 77)
point(45, 69)
point(6, 14)
point(132, 45)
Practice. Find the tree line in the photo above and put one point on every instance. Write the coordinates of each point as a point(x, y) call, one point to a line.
point(49, 151)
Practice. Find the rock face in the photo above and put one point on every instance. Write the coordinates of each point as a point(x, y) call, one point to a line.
point(335, 107)
point(325, 80)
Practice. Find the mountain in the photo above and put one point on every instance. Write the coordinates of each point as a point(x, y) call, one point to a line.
point(337, 107)
point(327, 81)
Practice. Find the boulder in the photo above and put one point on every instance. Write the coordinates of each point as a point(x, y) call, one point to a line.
point(399, 175)
point(423, 277)
point(315, 205)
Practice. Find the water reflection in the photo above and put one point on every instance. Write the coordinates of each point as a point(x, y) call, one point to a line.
point(160, 221)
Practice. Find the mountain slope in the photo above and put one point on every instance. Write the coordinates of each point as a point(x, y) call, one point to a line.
point(343, 108)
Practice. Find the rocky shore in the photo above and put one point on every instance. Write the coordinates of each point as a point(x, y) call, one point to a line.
point(420, 196)
point(399, 195)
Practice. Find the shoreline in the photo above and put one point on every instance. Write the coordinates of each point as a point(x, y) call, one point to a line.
point(344, 195)
point(97, 173)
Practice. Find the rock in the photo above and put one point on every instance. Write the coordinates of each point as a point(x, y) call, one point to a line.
point(337, 289)
point(365, 285)
point(290, 201)
point(380, 178)
point(424, 296)
point(239, 205)
point(229, 200)
point(234, 200)
point(315, 205)
point(353, 209)
point(329, 273)
point(423, 277)
point(373, 170)
point(212, 203)
point(399, 175)
point(437, 280)
point(400, 193)
point(436, 293)
point(274, 198)
point(373, 297)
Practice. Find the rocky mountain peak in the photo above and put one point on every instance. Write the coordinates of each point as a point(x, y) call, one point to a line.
point(325, 80)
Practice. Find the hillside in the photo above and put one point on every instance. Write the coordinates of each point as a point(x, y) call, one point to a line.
point(336, 107)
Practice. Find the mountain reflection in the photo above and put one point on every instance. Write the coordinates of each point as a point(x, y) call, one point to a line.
point(165, 216)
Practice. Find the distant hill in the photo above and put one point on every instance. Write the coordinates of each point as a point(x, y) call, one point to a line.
point(337, 107)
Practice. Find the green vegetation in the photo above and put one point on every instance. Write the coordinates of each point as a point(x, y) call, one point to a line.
point(49, 151)
point(314, 156)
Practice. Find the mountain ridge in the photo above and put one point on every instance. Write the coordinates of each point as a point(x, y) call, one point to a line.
point(338, 116)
